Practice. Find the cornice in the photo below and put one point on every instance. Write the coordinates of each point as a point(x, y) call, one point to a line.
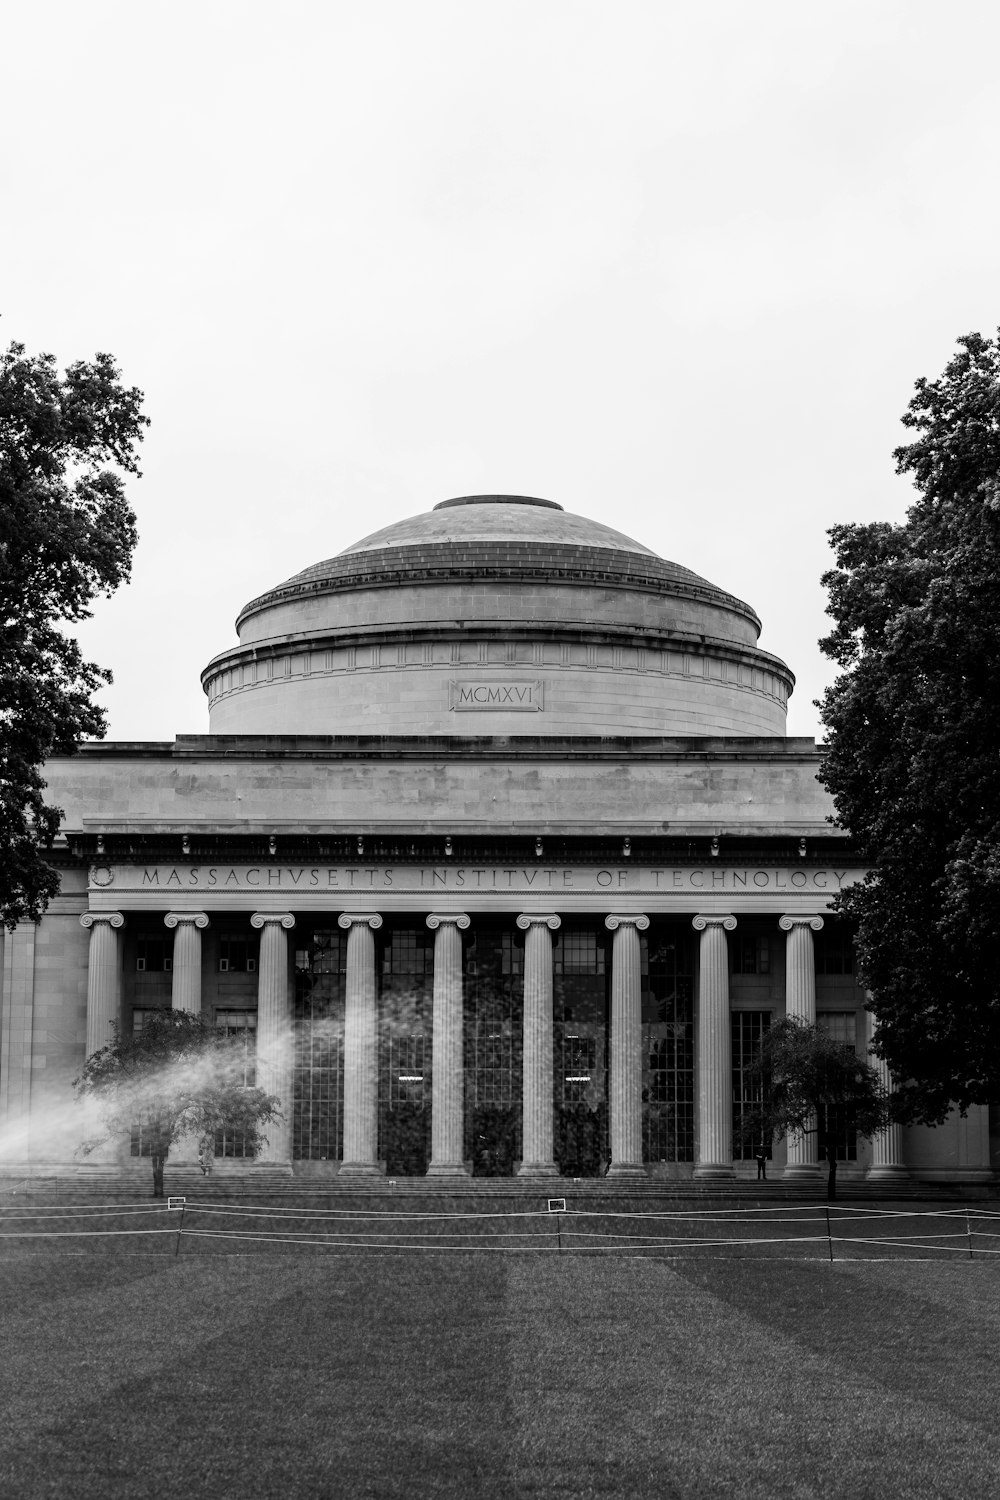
point(529, 562)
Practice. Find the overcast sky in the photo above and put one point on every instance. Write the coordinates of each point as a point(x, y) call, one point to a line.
point(675, 266)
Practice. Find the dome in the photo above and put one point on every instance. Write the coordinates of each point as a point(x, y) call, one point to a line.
point(498, 518)
point(472, 616)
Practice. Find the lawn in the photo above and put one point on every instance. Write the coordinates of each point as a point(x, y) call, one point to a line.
point(129, 1372)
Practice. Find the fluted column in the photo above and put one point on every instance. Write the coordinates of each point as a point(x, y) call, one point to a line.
point(715, 1050)
point(274, 1030)
point(185, 988)
point(626, 1045)
point(447, 1061)
point(800, 1004)
point(887, 1145)
point(360, 1046)
point(104, 969)
point(537, 1158)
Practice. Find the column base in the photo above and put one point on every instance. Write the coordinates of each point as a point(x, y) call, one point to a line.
point(631, 1170)
point(538, 1169)
point(713, 1171)
point(359, 1169)
point(887, 1174)
point(801, 1171)
point(447, 1169)
point(281, 1166)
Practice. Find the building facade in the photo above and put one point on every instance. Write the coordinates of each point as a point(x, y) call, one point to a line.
point(495, 858)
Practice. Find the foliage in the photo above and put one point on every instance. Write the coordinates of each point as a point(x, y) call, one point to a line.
point(67, 534)
point(176, 1077)
point(913, 757)
point(810, 1083)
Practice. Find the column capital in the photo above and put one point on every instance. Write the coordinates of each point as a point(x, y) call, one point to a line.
point(803, 919)
point(261, 919)
point(459, 918)
point(199, 918)
point(113, 918)
point(360, 919)
point(714, 919)
point(536, 918)
point(635, 919)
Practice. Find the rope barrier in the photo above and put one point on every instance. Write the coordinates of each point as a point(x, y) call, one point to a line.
point(566, 1230)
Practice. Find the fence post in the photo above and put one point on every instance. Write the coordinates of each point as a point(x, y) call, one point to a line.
point(829, 1234)
point(968, 1231)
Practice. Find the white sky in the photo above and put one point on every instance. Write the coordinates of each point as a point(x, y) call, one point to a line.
point(676, 266)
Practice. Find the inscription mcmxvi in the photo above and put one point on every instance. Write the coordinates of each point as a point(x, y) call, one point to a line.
point(517, 697)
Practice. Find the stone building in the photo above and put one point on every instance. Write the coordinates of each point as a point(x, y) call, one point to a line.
point(495, 857)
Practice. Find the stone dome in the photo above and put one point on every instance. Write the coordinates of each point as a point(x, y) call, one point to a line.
point(497, 614)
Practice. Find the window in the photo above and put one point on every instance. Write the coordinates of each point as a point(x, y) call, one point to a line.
point(836, 1128)
point(408, 951)
point(237, 953)
point(153, 953)
point(751, 955)
point(139, 1140)
point(579, 1064)
point(511, 953)
point(404, 1025)
point(405, 1069)
point(141, 1014)
point(749, 1028)
point(834, 949)
point(240, 1026)
point(667, 965)
point(317, 1113)
point(578, 952)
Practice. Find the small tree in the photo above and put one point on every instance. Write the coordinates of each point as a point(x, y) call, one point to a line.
point(175, 1077)
point(813, 1084)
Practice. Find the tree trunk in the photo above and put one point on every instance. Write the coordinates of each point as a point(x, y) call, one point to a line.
point(831, 1180)
point(158, 1162)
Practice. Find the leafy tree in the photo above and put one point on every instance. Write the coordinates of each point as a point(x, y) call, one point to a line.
point(66, 535)
point(809, 1082)
point(913, 757)
point(176, 1077)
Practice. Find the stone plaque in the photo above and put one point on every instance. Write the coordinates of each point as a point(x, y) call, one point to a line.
point(496, 696)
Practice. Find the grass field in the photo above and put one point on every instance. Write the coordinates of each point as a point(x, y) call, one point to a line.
point(128, 1372)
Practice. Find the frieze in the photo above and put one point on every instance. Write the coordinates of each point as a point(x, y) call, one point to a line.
point(485, 879)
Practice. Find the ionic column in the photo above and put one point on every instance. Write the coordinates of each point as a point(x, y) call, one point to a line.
point(800, 1004)
point(536, 1098)
point(626, 1046)
point(185, 988)
point(447, 1062)
point(715, 1050)
point(274, 1030)
point(104, 971)
point(360, 1046)
point(887, 1145)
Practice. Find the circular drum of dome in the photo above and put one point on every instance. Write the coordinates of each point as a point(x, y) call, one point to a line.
point(497, 615)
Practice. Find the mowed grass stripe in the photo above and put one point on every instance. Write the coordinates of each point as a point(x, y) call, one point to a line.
point(386, 1374)
point(872, 1323)
point(651, 1385)
point(284, 1377)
